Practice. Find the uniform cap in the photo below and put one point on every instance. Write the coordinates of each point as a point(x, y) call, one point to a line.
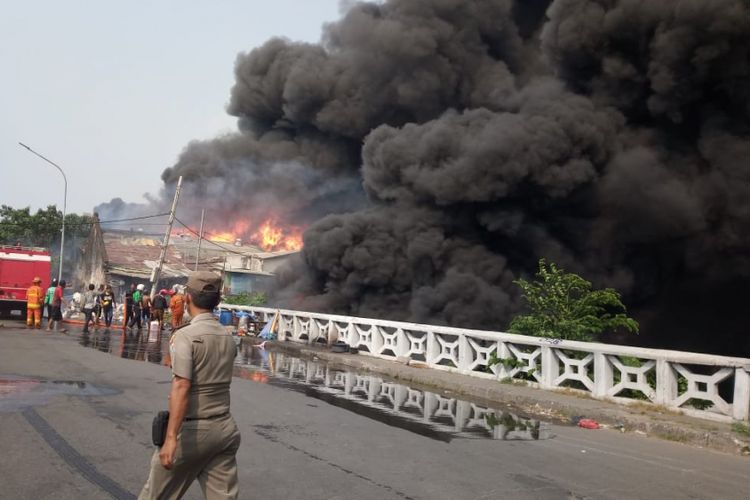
point(141, 287)
point(204, 281)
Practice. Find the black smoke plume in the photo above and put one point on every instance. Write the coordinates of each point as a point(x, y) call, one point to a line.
point(438, 148)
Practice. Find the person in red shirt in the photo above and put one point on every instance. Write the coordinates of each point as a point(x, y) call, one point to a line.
point(57, 303)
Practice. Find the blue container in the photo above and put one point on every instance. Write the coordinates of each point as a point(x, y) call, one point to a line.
point(225, 318)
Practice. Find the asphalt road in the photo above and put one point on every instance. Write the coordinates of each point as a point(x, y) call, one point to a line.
point(75, 424)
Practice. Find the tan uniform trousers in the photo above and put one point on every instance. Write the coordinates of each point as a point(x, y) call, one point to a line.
point(206, 451)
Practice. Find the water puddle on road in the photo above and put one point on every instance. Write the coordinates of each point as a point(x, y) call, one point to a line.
point(434, 415)
point(18, 393)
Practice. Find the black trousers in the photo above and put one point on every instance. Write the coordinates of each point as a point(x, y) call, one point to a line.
point(135, 317)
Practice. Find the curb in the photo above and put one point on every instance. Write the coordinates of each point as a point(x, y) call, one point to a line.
point(559, 406)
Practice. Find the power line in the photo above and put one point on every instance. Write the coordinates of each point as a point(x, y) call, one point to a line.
point(113, 221)
point(133, 218)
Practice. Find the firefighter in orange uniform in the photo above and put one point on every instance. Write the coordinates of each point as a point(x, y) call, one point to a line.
point(34, 298)
point(177, 306)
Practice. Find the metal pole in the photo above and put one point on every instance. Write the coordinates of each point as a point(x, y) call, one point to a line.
point(200, 238)
point(157, 269)
point(65, 206)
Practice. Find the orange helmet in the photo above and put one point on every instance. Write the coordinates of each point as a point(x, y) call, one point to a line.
point(37, 280)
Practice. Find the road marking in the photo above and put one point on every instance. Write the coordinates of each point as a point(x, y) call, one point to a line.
point(73, 458)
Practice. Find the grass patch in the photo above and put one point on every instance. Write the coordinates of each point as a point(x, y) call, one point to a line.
point(673, 436)
point(741, 428)
point(570, 391)
point(654, 408)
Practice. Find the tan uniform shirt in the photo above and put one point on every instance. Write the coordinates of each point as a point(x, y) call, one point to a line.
point(204, 352)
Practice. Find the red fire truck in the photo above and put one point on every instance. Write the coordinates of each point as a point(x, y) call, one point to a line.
point(18, 267)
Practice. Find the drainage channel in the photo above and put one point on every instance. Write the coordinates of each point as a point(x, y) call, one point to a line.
point(430, 414)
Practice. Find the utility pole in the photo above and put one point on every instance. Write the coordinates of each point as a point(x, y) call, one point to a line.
point(200, 238)
point(157, 270)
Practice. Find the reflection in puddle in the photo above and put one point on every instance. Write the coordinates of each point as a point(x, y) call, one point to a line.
point(129, 345)
point(422, 412)
point(18, 393)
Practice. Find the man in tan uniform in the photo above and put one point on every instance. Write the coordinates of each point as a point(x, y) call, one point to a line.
point(202, 438)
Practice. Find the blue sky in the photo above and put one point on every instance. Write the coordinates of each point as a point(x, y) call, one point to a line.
point(112, 91)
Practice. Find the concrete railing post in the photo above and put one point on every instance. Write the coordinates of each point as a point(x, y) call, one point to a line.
point(741, 398)
point(603, 375)
point(503, 353)
point(312, 330)
point(353, 335)
point(432, 348)
point(465, 359)
point(377, 339)
point(403, 346)
point(666, 382)
point(550, 367)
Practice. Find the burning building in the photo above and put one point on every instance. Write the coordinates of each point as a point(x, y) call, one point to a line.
point(121, 258)
point(433, 151)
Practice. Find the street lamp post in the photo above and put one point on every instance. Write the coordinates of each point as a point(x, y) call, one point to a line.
point(65, 204)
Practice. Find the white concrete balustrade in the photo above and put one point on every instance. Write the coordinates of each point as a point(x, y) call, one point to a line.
point(703, 385)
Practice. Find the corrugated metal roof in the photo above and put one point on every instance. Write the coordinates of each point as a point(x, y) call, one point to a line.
point(138, 255)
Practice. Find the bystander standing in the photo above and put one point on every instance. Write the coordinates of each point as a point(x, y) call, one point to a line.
point(158, 305)
point(107, 301)
point(89, 303)
point(57, 303)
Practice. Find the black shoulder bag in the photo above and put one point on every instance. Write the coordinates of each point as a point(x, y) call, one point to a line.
point(159, 428)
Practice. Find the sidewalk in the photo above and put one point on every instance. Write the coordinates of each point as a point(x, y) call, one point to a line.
point(561, 406)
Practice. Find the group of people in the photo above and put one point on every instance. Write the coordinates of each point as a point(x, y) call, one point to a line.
point(97, 304)
point(140, 308)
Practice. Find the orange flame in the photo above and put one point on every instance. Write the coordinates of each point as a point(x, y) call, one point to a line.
point(269, 235)
point(221, 237)
point(239, 228)
point(293, 242)
point(272, 237)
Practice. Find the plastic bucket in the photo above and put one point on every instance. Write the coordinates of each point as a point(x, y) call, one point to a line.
point(225, 318)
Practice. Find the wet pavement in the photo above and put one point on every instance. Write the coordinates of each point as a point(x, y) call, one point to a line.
point(430, 414)
point(315, 430)
point(18, 393)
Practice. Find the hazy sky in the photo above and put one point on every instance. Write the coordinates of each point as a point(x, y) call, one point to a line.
point(112, 91)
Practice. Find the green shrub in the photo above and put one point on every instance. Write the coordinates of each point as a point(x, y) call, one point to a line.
point(246, 299)
point(564, 306)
